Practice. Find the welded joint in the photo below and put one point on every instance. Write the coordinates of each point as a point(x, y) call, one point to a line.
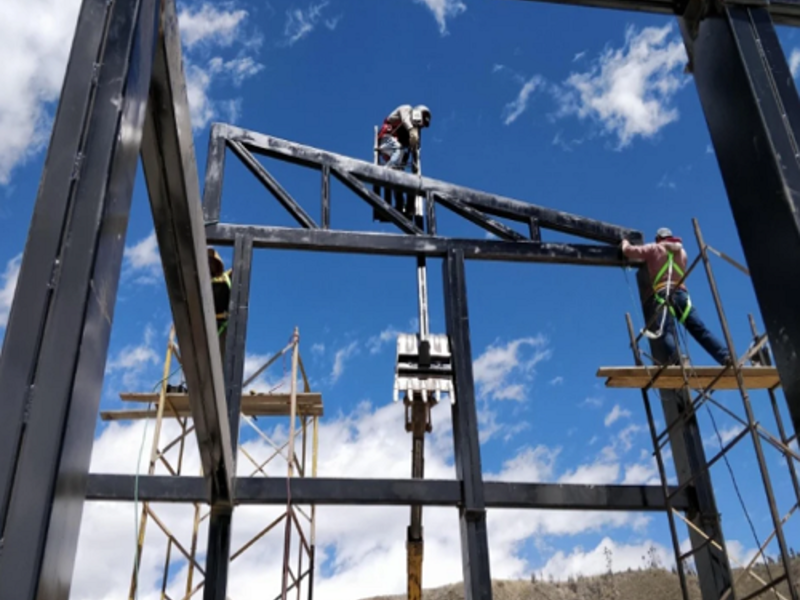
point(473, 514)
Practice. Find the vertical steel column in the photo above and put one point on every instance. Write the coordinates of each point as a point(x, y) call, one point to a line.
point(219, 530)
point(215, 175)
point(753, 111)
point(713, 568)
point(93, 154)
point(472, 513)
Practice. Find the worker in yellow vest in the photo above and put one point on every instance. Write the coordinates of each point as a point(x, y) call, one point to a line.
point(666, 262)
point(221, 289)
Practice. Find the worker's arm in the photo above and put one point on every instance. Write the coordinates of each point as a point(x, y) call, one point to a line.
point(405, 117)
point(637, 252)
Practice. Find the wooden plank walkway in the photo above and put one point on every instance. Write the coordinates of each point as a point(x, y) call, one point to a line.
point(755, 378)
point(254, 405)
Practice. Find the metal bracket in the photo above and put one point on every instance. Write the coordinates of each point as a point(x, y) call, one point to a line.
point(424, 366)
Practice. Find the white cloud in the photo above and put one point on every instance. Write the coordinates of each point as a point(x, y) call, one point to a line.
point(616, 413)
point(144, 260)
point(501, 371)
point(199, 81)
point(35, 38)
point(333, 23)
point(645, 473)
point(557, 380)
point(318, 348)
point(594, 562)
point(340, 358)
point(592, 401)
point(629, 90)
point(443, 10)
point(578, 56)
point(794, 62)
point(376, 343)
point(9, 286)
point(300, 23)
point(596, 473)
point(726, 434)
point(205, 24)
point(133, 360)
point(363, 548)
point(518, 106)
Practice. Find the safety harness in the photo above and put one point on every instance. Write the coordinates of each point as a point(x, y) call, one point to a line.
point(668, 267)
point(224, 278)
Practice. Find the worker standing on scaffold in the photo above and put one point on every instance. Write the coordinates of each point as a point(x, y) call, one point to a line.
point(221, 288)
point(666, 262)
point(399, 140)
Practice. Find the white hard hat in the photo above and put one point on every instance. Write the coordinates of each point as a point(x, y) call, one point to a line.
point(664, 232)
point(425, 111)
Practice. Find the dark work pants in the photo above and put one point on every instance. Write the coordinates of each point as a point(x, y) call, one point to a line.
point(694, 325)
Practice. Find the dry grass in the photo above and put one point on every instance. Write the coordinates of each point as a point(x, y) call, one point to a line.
point(644, 584)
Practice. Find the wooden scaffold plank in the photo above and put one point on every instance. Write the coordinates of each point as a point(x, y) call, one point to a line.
point(672, 377)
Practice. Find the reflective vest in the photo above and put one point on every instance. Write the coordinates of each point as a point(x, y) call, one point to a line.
point(668, 267)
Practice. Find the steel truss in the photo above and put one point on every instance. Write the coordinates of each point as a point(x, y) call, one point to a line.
point(124, 94)
point(757, 353)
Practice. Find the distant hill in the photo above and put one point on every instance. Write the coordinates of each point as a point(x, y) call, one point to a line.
point(645, 584)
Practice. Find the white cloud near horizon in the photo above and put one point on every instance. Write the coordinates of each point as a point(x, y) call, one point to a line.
point(616, 414)
point(362, 548)
point(143, 260)
point(502, 371)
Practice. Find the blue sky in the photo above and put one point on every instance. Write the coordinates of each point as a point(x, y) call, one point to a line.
point(581, 110)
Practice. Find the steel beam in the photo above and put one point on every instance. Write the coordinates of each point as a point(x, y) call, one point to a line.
point(219, 530)
point(70, 276)
point(737, 55)
point(488, 203)
point(478, 218)
point(171, 173)
point(783, 12)
point(472, 510)
point(420, 245)
point(388, 492)
point(713, 568)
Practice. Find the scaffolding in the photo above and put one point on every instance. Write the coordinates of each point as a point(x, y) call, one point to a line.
point(752, 370)
point(303, 408)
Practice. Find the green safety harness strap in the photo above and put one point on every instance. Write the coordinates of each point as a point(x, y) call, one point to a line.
point(669, 266)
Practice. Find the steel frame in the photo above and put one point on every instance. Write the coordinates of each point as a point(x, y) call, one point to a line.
point(124, 92)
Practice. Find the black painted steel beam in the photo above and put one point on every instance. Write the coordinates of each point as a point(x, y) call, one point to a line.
point(478, 218)
point(66, 295)
point(170, 170)
point(488, 203)
point(275, 188)
point(737, 55)
point(467, 450)
point(783, 12)
point(422, 245)
point(378, 203)
point(387, 492)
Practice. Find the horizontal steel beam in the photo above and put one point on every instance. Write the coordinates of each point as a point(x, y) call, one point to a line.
point(420, 245)
point(386, 492)
point(496, 205)
point(783, 12)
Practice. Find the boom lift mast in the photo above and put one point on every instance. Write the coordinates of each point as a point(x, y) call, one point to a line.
point(423, 372)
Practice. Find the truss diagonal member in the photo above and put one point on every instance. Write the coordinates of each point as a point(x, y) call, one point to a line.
point(378, 203)
point(265, 366)
point(281, 195)
point(490, 203)
point(481, 220)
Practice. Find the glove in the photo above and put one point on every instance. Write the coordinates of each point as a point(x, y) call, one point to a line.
point(413, 138)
